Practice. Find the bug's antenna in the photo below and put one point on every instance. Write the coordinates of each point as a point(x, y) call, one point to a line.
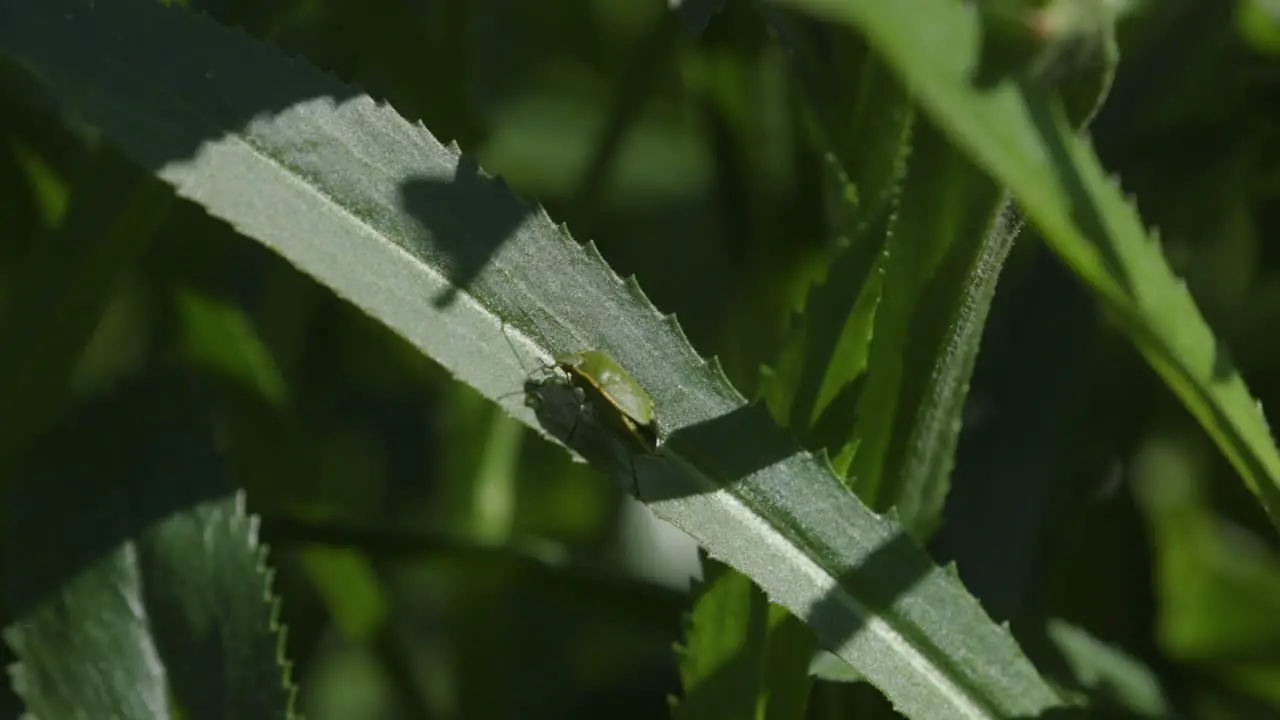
point(506, 335)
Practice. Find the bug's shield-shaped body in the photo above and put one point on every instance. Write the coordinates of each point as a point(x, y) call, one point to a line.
point(564, 412)
point(597, 408)
point(616, 397)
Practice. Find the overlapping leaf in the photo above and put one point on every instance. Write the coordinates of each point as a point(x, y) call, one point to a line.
point(742, 657)
point(134, 576)
point(75, 271)
point(1017, 134)
point(407, 229)
point(815, 384)
point(941, 267)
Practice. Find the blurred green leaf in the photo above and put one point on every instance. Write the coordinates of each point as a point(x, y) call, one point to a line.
point(66, 286)
point(1259, 23)
point(1019, 136)
point(739, 657)
point(948, 244)
point(135, 581)
point(811, 387)
point(1069, 45)
point(219, 338)
point(825, 350)
point(423, 241)
point(1218, 583)
point(540, 144)
point(696, 13)
point(1108, 672)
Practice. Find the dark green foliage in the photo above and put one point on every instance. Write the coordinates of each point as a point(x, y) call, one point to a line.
point(134, 573)
point(290, 260)
point(742, 656)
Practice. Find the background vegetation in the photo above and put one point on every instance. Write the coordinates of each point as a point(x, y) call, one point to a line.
point(752, 167)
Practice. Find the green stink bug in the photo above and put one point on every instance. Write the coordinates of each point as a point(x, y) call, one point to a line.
point(590, 384)
point(615, 395)
point(596, 386)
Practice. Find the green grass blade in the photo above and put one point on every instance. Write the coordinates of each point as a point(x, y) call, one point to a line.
point(940, 272)
point(418, 237)
point(865, 129)
point(1019, 137)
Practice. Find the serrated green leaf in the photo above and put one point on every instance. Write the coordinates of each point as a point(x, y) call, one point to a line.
point(724, 644)
point(135, 579)
point(419, 238)
point(742, 657)
point(865, 124)
point(215, 620)
point(1259, 24)
point(865, 128)
point(825, 351)
point(940, 271)
point(836, 422)
point(350, 589)
point(1019, 136)
point(583, 581)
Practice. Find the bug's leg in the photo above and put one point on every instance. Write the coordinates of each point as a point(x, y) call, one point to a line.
point(635, 479)
point(581, 397)
point(546, 369)
point(573, 430)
